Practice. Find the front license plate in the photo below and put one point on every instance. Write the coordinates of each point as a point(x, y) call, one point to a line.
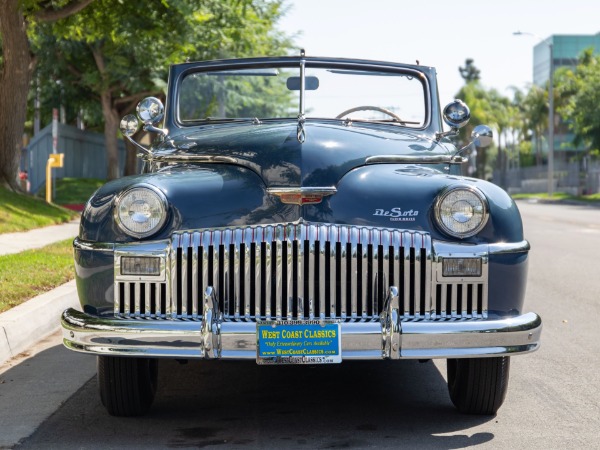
point(292, 342)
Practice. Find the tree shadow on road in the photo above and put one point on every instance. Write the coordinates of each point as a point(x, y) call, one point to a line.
point(221, 403)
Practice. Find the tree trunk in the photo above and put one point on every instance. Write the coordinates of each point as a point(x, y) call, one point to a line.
point(111, 126)
point(481, 162)
point(15, 75)
point(130, 158)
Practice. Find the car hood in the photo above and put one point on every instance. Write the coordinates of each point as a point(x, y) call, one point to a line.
point(274, 152)
point(220, 177)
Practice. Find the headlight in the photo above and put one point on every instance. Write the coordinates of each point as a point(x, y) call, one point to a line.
point(461, 212)
point(141, 211)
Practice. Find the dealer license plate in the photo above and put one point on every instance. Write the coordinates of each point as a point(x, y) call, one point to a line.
point(294, 342)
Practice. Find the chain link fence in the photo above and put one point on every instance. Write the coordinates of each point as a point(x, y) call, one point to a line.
point(578, 178)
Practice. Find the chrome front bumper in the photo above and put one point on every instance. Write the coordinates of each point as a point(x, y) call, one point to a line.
point(387, 339)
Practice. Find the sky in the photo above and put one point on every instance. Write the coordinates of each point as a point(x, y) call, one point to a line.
point(440, 33)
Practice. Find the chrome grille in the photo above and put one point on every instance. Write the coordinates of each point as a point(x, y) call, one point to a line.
point(459, 301)
point(139, 299)
point(300, 271)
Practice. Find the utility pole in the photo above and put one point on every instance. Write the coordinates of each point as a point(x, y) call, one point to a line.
point(551, 122)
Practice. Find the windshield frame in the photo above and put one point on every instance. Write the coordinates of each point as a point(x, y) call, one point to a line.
point(179, 72)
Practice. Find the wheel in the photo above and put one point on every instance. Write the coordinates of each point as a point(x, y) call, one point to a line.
point(478, 385)
point(370, 108)
point(127, 385)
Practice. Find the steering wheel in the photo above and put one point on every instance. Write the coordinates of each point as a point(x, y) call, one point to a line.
point(370, 108)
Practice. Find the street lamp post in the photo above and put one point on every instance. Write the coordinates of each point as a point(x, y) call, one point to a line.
point(550, 112)
point(551, 123)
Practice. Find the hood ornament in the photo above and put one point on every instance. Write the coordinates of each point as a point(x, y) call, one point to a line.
point(302, 195)
point(300, 132)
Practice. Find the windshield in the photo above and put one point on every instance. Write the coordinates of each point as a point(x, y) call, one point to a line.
point(274, 92)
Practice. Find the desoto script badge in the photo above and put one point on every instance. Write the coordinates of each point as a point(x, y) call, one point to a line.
point(397, 214)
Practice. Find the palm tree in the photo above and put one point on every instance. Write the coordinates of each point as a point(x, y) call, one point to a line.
point(535, 109)
point(477, 98)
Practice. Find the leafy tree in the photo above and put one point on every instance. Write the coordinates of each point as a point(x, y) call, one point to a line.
point(579, 91)
point(117, 53)
point(469, 72)
point(245, 95)
point(526, 156)
point(16, 66)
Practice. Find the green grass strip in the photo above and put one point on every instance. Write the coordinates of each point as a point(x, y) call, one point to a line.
point(73, 191)
point(27, 274)
point(20, 212)
point(558, 196)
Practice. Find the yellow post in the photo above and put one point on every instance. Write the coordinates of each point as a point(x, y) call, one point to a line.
point(54, 160)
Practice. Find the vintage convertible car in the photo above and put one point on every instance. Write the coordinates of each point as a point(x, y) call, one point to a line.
point(301, 210)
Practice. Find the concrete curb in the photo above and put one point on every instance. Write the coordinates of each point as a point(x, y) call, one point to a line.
point(32, 321)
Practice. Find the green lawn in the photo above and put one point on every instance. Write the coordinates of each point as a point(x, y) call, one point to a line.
point(20, 212)
point(27, 274)
point(73, 191)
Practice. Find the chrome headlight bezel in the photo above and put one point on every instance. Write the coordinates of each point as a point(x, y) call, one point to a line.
point(161, 206)
point(477, 200)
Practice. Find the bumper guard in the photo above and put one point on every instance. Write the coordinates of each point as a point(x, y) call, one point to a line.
point(214, 338)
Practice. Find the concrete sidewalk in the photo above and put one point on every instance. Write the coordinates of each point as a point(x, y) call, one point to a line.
point(23, 326)
point(26, 240)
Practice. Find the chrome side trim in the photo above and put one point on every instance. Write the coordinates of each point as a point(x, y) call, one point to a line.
point(509, 247)
point(80, 244)
point(207, 159)
point(411, 159)
point(360, 340)
point(494, 249)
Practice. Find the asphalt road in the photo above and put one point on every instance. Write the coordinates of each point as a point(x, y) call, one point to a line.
point(553, 399)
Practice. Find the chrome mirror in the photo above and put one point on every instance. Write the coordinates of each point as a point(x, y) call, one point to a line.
point(150, 110)
point(482, 136)
point(129, 125)
point(457, 114)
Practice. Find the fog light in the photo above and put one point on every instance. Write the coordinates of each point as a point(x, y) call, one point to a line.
point(140, 265)
point(461, 267)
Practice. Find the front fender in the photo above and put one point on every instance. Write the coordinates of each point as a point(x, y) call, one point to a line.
point(400, 196)
point(198, 197)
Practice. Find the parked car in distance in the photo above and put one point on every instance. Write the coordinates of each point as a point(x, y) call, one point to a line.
point(301, 210)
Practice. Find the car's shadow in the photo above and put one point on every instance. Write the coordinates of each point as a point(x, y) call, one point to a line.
point(210, 403)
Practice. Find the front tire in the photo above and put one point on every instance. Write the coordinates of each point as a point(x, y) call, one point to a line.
point(478, 385)
point(127, 385)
